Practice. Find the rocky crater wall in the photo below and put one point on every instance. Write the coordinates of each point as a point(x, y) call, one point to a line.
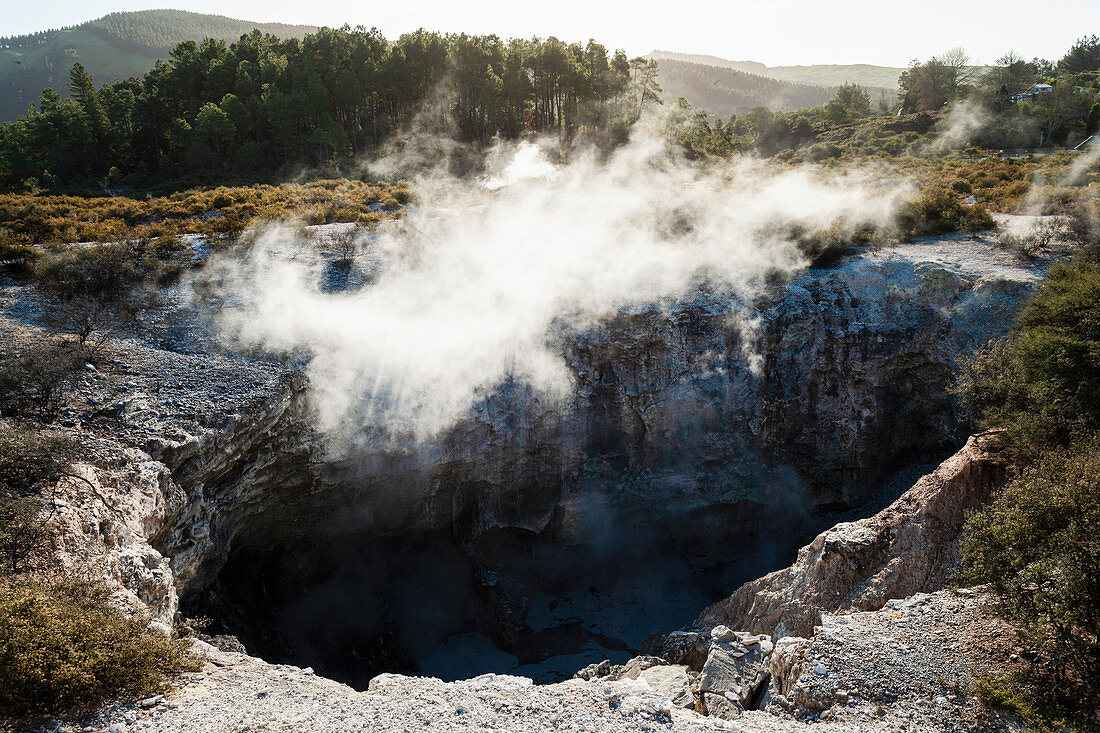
point(694, 427)
point(704, 441)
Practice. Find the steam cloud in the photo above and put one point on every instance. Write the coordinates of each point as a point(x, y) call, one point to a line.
point(963, 121)
point(484, 277)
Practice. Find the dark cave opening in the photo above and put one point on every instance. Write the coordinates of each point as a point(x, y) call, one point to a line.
point(354, 604)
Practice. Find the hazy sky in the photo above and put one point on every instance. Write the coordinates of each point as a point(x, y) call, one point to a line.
point(886, 32)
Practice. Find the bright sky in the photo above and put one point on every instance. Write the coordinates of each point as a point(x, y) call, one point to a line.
point(886, 32)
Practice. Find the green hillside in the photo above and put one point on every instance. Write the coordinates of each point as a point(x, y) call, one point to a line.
point(116, 46)
point(819, 74)
point(725, 91)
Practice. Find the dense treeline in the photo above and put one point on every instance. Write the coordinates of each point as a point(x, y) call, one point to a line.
point(263, 105)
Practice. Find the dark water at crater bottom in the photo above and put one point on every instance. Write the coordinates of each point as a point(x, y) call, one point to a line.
point(353, 606)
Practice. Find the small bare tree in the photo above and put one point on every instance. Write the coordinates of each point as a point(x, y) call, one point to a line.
point(344, 246)
point(25, 530)
point(1035, 240)
point(34, 382)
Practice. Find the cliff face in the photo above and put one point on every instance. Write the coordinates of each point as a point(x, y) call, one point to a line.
point(805, 397)
point(865, 662)
point(693, 428)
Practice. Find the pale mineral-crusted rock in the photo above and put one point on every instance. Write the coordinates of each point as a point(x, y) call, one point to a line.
point(633, 668)
point(921, 651)
point(671, 680)
point(910, 546)
point(736, 670)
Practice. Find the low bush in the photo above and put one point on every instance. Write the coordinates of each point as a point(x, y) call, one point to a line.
point(1038, 546)
point(29, 459)
point(1032, 241)
point(1010, 692)
point(65, 647)
point(16, 256)
point(1043, 384)
point(826, 247)
point(938, 210)
point(25, 532)
point(94, 286)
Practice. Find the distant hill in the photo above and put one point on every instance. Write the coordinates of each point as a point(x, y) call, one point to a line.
point(829, 75)
point(114, 47)
point(724, 91)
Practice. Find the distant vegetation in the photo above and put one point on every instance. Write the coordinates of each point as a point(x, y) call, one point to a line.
point(160, 31)
point(826, 75)
point(728, 92)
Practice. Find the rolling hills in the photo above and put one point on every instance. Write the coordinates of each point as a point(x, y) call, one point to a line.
point(724, 91)
point(833, 75)
point(113, 47)
point(121, 45)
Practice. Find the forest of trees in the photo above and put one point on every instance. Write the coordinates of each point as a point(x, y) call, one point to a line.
point(262, 105)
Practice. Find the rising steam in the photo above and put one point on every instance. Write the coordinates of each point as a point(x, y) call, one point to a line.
point(483, 279)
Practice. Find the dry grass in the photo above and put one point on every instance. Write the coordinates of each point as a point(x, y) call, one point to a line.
point(45, 219)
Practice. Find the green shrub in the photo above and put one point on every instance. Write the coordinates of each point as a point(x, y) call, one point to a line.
point(1038, 546)
point(1013, 694)
point(938, 210)
point(1043, 384)
point(64, 646)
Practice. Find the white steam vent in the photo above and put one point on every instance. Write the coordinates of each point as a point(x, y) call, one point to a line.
point(482, 278)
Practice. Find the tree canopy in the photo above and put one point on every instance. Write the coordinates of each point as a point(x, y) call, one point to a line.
point(263, 105)
point(1084, 55)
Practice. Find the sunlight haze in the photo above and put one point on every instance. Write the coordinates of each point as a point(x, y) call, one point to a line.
point(775, 33)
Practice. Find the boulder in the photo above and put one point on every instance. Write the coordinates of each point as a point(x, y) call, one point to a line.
point(737, 669)
point(673, 681)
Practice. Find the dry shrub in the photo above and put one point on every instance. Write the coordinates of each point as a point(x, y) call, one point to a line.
point(65, 647)
point(1033, 241)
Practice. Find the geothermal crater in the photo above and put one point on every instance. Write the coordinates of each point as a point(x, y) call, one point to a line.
point(533, 538)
